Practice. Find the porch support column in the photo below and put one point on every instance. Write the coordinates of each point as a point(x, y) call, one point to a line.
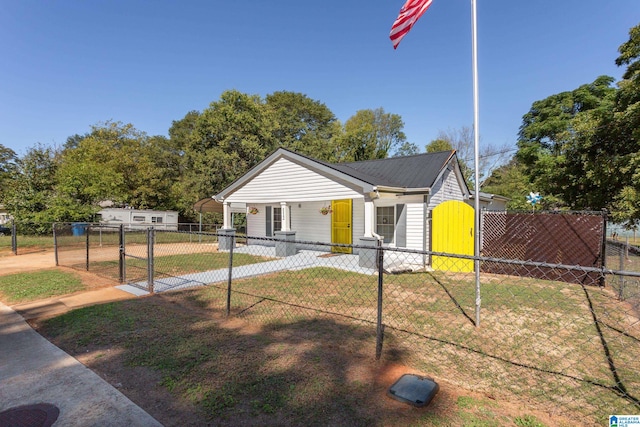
point(226, 216)
point(285, 216)
point(286, 239)
point(368, 217)
point(226, 235)
point(367, 256)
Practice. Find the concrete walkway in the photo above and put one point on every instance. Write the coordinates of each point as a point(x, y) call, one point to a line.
point(32, 370)
point(302, 260)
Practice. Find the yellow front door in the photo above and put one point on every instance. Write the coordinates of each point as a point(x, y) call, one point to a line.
point(452, 233)
point(341, 225)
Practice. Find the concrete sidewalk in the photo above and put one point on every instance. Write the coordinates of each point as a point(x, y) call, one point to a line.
point(32, 370)
point(54, 306)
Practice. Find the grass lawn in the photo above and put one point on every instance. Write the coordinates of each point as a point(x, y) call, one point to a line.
point(293, 372)
point(24, 287)
point(300, 347)
point(26, 244)
point(176, 265)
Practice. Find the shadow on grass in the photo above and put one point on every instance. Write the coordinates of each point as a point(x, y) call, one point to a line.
point(453, 299)
point(272, 363)
point(619, 387)
point(230, 372)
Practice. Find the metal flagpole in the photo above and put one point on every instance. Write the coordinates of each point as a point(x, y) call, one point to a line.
point(476, 141)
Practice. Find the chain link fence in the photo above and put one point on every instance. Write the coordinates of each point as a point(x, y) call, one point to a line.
point(548, 337)
point(20, 237)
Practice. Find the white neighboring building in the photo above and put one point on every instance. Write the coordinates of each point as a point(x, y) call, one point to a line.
point(5, 217)
point(139, 218)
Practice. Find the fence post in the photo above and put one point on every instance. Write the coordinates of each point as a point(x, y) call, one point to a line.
point(55, 244)
point(14, 237)
point(621, 283)
point(380, 326)
point(150, 238)
point(603, 250)
point(122, 266)
point(231, 238)
point(86, 232)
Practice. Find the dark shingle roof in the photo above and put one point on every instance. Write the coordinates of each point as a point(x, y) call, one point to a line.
point(418, 171)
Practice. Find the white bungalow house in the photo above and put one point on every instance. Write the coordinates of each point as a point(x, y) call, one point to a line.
point(289, 194)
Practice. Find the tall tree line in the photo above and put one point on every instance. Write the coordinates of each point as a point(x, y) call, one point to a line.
point(205, 151)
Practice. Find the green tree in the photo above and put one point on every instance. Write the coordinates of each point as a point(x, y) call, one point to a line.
point(304, 125)
point(73, 141)
point(181, 134)
point(30, 190)
point(407, 149)
point(624, 127)
point(438, 145)
point(181, 131)
point(231, 136)
point(371, 134)
point(117, 162)
point(555, 145)
point(7, 168)
point(582, 148)
point(509, 180)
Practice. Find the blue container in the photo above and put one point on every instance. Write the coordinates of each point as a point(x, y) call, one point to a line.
point(79, 228)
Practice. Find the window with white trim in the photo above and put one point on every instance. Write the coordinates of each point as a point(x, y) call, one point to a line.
point(277, 219)
point(385, 222)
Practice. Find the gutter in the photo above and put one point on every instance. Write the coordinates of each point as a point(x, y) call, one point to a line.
point(403, 190)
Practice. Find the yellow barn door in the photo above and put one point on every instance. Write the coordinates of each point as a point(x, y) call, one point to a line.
point(452, 232)
point(341, 225)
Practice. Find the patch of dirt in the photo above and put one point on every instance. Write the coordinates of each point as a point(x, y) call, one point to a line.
point(12, 264)
point(90, 280)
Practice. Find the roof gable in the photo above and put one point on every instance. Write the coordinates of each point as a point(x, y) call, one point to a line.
point(419, 171)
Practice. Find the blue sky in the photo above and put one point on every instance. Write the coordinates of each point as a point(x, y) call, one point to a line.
point(67, 65)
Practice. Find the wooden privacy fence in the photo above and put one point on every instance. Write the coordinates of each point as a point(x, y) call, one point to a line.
point(568, 238)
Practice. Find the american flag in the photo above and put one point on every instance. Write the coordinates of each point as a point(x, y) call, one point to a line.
point(409, 15)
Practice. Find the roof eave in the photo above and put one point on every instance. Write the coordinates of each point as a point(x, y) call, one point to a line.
point(402, 190)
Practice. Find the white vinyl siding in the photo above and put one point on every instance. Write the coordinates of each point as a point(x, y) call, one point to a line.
point(256, 222)
point(415, 225)
point(286, 181)
point(309, 224)
point(307, 221)
point(415, 218)
point(357, 223)
point(446, 188)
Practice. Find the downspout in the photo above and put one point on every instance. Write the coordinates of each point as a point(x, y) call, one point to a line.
point(372, 215)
